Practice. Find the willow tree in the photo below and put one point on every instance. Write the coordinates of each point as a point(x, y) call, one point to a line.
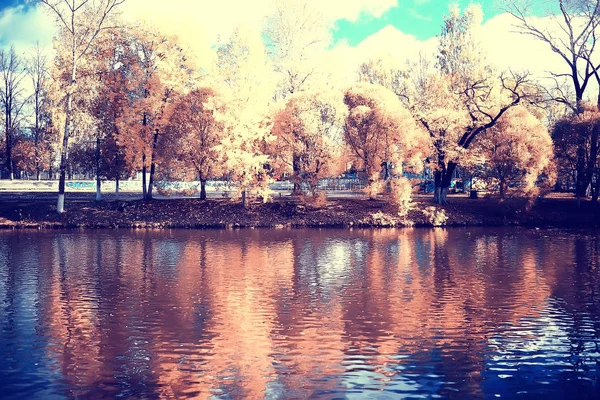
point(80, 21)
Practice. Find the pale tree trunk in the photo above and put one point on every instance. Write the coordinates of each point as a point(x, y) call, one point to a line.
point(98, 189)
point(98, 181)
point(117, 188)
point(60, 206)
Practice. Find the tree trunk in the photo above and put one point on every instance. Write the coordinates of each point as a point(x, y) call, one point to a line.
point(202, 189)
point(98, 181)
point(144, 175)
point(60, 205)
point(596, 190)
point(9, 140)
point(502, 188)
point(443, 179)
point(152, 166)
point(117, 188)
point(581, 186)
point(296, 174)
point(244, 202)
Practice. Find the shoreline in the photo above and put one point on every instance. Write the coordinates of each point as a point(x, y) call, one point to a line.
point(552, 212)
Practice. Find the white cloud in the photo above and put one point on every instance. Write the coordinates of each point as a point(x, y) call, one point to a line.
point(199, 23)
point(353, 9)
point(22, 27)
point(505, 48)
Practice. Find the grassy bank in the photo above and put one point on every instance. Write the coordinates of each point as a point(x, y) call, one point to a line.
point(556, 211)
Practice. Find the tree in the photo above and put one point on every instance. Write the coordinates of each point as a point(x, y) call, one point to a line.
point(380, 132)
point(24, 155)
point(517, 152)
point(12, 100)
point(296, 35)
point(463, 98)
point(247, 87)
point(577, 142)
point(112, 59)
point(80, 22)
point(569, 30)
point(41, 131)
point(309, 132)
point(193, 136)
point(159, 73)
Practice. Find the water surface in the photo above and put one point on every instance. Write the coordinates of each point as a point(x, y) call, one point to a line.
point(477, 313)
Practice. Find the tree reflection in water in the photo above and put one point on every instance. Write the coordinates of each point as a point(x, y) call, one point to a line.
point(300, 313)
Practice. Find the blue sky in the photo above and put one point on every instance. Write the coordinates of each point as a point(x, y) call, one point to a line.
point(420, 18)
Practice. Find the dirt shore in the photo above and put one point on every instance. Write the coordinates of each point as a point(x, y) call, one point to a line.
point(556, 211)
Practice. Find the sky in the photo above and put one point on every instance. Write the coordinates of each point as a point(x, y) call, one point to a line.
point(354, 22)
point(420, 18)
point(360, 28)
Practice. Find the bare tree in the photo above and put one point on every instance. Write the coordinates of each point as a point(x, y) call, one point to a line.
point(81, 22)
point(571, 34)
point(37, 69)
point(12, 100)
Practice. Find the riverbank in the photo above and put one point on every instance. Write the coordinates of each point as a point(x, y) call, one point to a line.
point(557, 211)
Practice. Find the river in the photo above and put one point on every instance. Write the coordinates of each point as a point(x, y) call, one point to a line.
point(412, 313)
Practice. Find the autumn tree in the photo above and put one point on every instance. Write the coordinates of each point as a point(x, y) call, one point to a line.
point(113, 57)
point(380, 132)
point(309, 132)
point(242, 73)
point(577, 142)
point(193, 135)
point(517, 153)
point(159, 73)
point(24, 156)
point(80, 22)
point(463, 98)
point(12, 100)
